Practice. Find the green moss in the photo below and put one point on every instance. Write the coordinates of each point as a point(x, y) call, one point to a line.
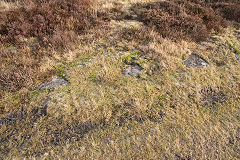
point(130, 58)
point(60, 69)
point(234, 46)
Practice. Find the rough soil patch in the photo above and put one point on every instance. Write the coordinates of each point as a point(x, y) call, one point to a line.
point(211, 96)
point(12, 117)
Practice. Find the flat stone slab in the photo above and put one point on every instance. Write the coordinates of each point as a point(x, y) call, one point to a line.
point(133, 70)
point(195, 60)
point(54, 83)
point(237, 56)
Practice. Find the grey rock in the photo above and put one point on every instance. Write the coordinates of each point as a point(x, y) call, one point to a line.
point(54, 83)
point(237, 56)
point(195, 60)
point(133, 70)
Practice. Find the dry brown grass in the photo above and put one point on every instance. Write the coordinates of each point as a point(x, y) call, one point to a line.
point(169, 112)
point(104, 115)
point(7, 6)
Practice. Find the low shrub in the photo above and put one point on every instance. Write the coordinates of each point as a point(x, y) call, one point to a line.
point(180, 19)
point(53, 22)
point(230, 11)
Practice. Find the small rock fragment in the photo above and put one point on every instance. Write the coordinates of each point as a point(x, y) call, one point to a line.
point(54, 83)
point(133, 70)
point(237, 56)
point(195, 60)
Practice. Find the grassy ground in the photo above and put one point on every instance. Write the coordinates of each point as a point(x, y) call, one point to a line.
point(170, 112)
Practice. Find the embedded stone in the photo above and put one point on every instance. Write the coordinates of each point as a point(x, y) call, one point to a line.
point(133, 70)
point(54, 83)
point(237, 56)
point(195, 60)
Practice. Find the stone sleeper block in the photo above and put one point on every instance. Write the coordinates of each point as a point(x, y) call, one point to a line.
point(195, 60)
point(54, 83)
point(133, 70)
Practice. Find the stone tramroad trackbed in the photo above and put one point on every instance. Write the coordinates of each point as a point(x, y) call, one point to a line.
point(130, 79)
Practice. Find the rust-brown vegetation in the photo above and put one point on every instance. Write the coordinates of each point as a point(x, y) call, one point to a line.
point(179, 19)
point(52, 22)
point(33, 27)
